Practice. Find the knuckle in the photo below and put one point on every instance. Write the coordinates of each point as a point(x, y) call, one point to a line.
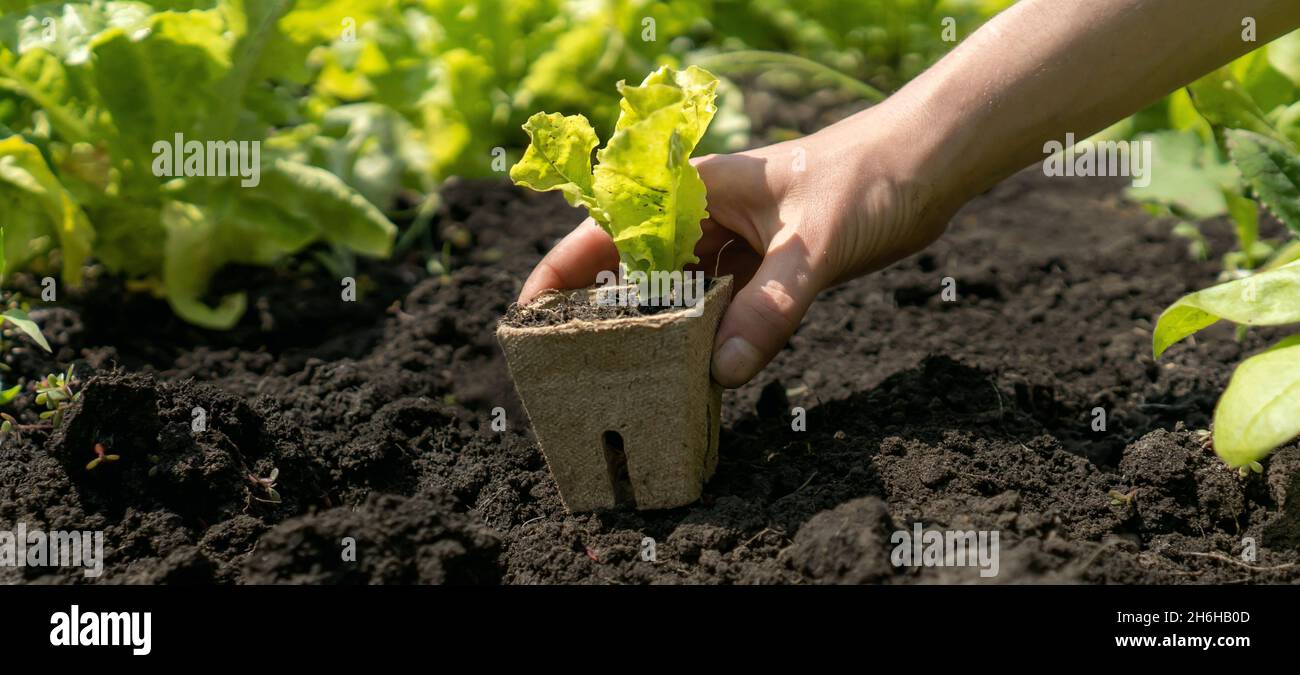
point(773, 305)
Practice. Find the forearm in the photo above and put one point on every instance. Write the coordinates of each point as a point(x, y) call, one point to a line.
point(1045, 68)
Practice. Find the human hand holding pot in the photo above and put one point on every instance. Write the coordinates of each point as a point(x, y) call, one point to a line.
point(788, 220)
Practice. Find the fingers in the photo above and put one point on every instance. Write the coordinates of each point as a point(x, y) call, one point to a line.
point(573, 263)
point(764, 314)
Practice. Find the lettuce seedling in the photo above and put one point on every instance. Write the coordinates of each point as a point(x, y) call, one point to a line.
point(643, 190)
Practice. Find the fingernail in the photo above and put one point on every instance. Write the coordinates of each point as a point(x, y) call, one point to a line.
point(735, 362)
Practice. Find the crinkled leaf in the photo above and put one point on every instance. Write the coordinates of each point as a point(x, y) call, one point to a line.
point(66, 29)
point(644, 191)
point(559, 158)
point(653, 198)
point(22, 322)
point(1270, 298)
point(164, 81)
point(1257, 411)
point(1272, 170)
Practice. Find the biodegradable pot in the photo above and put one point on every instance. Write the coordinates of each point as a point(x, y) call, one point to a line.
point(624, 409)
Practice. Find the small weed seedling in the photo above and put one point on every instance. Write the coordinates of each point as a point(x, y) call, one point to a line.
point(1124, 499)
point(268, 485)
point(55, 392)
point(101, 456)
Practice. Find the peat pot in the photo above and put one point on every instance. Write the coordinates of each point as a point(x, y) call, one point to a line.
point(624, 409)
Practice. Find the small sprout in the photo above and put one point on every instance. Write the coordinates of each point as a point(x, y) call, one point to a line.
point(267, 484)
point(1246, 469)
point(1118, 498)
point(100, 457)
point(55, 392)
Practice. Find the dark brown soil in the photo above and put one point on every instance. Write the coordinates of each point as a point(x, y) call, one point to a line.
point(553, 308)
point(377, 417)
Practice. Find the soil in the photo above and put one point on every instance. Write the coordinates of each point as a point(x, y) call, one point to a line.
point(553, 308)
point(266, 453)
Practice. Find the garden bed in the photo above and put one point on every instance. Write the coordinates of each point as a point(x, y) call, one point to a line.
point(974, 414)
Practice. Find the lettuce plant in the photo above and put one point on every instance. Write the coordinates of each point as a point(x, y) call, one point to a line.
point(88, 91)
point(643, 190)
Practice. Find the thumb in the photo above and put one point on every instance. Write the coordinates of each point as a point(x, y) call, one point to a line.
point(763, 315)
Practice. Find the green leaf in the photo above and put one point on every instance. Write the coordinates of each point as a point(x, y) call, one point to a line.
point(316, 195)
point(1225, 104)
point(29, 328)
point(1271, 168)
point(1284, 56)
point(1187, 175)
point(7, 396)
point(1269, 298)
point(192, 255)
point(1257, 411)
point(37, 206)
point(559, 158)
point(644, 191)
point(1244, 214)
point(653, 197)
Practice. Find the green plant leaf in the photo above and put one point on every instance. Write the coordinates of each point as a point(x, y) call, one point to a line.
point(1187, 175)
point(644, 191)
point(1272, 170)
point(1257, 411)
point(1225, 104)
point(192, 254)
point(644, 180)
point(7, 396)
point(37, 207)
point(559, 158)
point(29, 328)
point(1284, 56)
point(1269, 298)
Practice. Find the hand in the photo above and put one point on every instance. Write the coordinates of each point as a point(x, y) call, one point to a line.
point(788, 220)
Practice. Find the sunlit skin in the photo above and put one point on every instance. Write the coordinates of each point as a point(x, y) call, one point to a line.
point(882, 184)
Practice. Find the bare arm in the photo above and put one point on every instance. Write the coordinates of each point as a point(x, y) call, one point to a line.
point(1045, 68)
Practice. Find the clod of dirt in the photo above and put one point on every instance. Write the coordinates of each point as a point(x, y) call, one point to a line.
point(1182, 486)
point(1283, 477)
point(191, 448)
point(848, 544)
point(386, 540)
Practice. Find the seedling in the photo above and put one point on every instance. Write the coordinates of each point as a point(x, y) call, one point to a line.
point(644, 191)
point(267, 485)
point(624, 408)
point(1118, 498)
point(55, 392)
point(101, 456)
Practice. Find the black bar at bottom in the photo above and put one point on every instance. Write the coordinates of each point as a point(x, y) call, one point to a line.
point(243, 623)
